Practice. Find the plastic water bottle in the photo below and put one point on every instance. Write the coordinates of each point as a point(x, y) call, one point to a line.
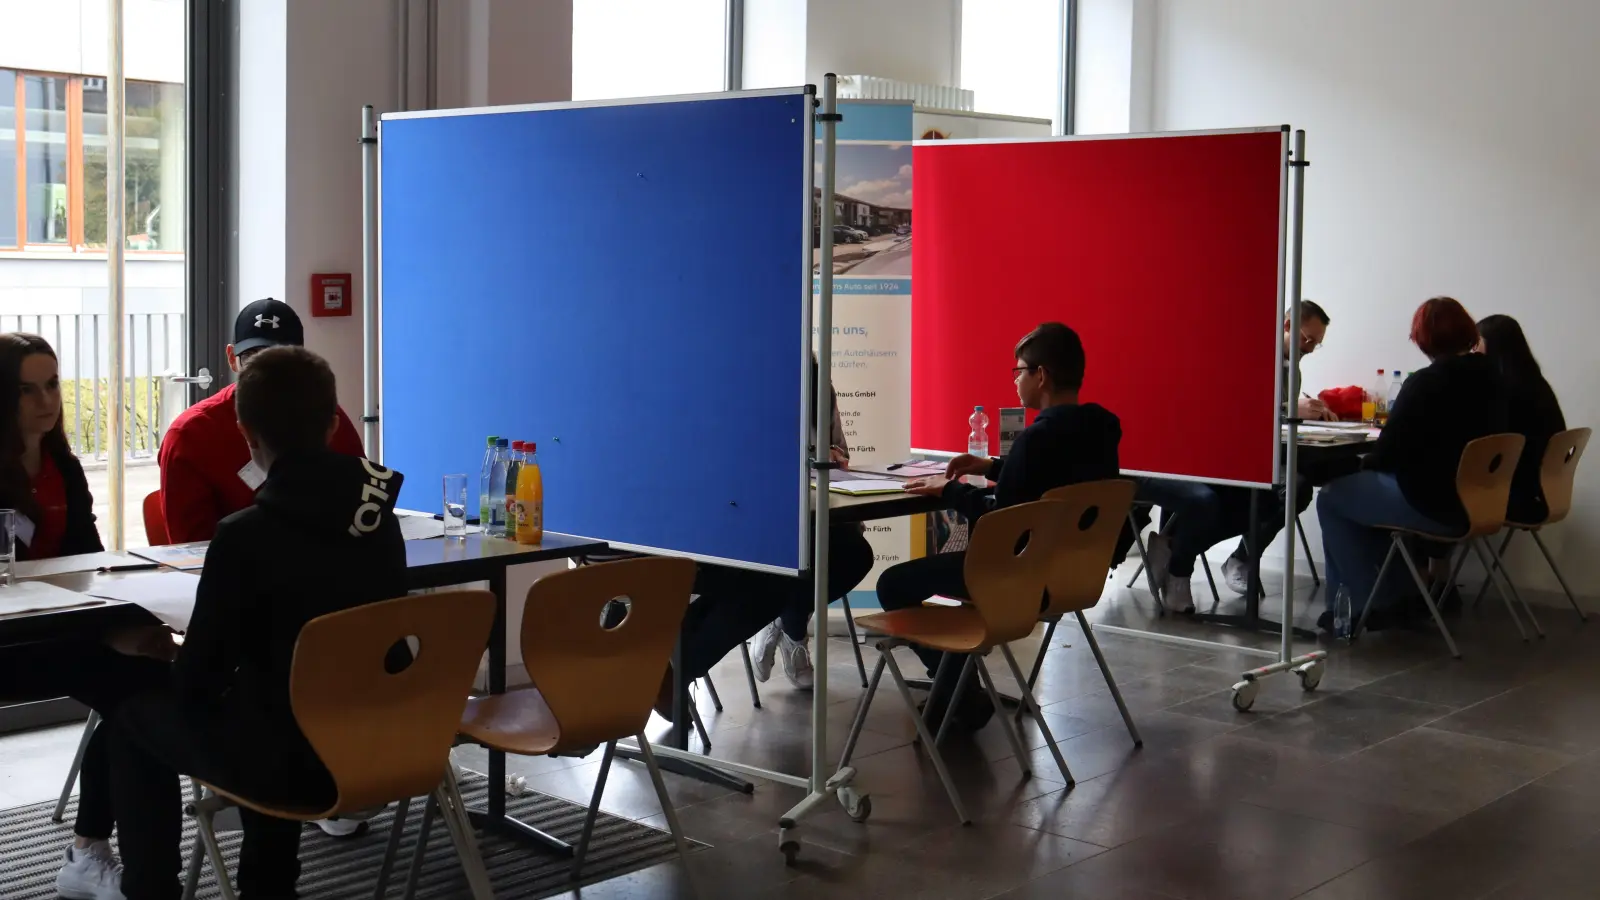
point(1394, 393)
point(513, 466)
point(486, 474)
point(978, 441)
point(1343, 620)
point(497, 488)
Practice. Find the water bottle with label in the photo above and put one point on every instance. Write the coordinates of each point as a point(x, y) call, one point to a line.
point(1343, 616)
point(1394, 392)
point(978, 441)
point(484, 477)
point(496, 526)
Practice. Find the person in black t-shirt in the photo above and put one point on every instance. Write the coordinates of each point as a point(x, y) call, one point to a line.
point(1409, 480)
point(1069, 442)
point(1533, 410)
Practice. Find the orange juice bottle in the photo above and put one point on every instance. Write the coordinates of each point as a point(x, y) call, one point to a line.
point(530, 499)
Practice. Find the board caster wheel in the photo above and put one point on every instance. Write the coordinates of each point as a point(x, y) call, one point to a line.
point(856, 805)
point(1310, 675)
point(1244, 695)
point(788, 845)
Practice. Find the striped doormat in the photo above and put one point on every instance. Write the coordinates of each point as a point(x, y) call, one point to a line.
point(31, 849)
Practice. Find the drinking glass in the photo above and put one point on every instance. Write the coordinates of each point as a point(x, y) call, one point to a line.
point(8, 542)
point(455, 506)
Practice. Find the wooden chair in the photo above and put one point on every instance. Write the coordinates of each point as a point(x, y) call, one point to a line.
point(1556, 473)
point(1483, 484)
point(590, 685)
point(155, 529)
point(1096, 510)
point(1006, 587)
point(384, 737)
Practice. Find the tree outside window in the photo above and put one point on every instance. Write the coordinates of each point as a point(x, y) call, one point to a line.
point(155, 164)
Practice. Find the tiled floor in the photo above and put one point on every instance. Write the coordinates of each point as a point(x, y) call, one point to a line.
point(1406, 775)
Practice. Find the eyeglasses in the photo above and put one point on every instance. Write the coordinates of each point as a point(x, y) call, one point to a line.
point(1019, 370)
point(1306, 339)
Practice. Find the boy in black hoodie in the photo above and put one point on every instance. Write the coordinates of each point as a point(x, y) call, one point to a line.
point(1067, 443)
point(321, 537)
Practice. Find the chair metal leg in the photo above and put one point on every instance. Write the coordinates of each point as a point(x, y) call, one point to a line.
point(1361, 621)
point(1216, 598)
point(191, 872)
point(1149, 576)
point(594, 809)
point(1024, 761)
point(861, 710)
point(711, 688)
point(429, 809)
point(1305, 544)
point(1505, 578)
point(961, 687)
point(392, 850)
point(667, 809)
point(77, 764)
point(927, 740)
point(1111, 681)
point(938, 672)
point(454, 812)
point(1134, 578)
point(1505, 595)
point(1038, 715)
point(1038, 664)
point(1427, 596)
point(855, 641)
point(1484, 588)
point(750, 674)
point(699, 725)
point(204, 816)
point(1582, 616)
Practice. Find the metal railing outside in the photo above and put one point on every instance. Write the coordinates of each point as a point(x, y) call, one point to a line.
point(155, 349)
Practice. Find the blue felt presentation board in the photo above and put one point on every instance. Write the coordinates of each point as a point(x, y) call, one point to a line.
point(626, 285)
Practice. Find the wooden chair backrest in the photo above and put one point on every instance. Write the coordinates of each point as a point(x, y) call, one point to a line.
point(155, 521)
point(1559, 468)
point(386, 736)
point(1096, 511)
point(599, 683)
point(1007, 586)
point(1483, 481)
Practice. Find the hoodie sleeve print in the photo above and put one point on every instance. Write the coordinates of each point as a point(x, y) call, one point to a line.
point(203, 670)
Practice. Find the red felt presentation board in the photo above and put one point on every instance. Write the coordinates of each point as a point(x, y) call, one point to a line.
point(1163, 252)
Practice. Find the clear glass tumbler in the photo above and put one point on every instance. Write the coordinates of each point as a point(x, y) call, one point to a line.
point(8, 543)
point(455, 506)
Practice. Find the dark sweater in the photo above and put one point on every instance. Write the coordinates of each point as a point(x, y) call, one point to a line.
point(1440, 410)
point(1535, 413)
point(1066, 444)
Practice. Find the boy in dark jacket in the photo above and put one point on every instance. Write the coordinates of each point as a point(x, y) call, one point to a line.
point(1068, 442)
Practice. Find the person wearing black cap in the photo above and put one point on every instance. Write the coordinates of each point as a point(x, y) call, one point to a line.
point(206, 471)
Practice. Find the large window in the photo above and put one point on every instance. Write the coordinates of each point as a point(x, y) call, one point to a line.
point(1011, 56)
point(642, 48)
point(53, 168)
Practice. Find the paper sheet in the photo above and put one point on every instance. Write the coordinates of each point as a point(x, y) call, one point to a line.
point(37, 596)
point(863, 486)
point(169, 596)
point(67, 565)
point(178, 556)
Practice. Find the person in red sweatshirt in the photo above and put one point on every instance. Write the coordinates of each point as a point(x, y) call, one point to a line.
point(206, 471)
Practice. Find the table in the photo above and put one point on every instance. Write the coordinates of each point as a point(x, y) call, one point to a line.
point(431, 563)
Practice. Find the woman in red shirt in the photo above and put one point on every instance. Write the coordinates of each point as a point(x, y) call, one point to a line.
point(40, 478)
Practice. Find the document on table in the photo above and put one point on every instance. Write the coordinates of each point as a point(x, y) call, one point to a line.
point(69, 565)
point(911, 468)
point(177, 556)
point(862, 487)
point(169, 596)
point(37, 596)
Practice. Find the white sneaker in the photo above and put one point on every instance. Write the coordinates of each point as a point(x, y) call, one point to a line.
point(342, 828)
point(797, 662)
point(766, 650)
point(92, 873)
point(1177, 594)
point(1237, 575)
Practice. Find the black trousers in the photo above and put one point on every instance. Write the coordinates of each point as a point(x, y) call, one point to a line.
point(130, 779)
point(734, 604)
point(909, 583)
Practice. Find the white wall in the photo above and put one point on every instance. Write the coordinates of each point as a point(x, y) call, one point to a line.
point(1453, 145)
point(775, 43)
point(70, 37)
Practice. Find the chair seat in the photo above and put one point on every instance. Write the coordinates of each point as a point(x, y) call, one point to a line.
point(518, 721)
point(292, 813)
point(955, 629)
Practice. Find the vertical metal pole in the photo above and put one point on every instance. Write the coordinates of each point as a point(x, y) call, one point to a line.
point(369, 284)
point(823, 440)
point(1067, 68)
point(733, 46)
point(1291, 521)
point(116, 240)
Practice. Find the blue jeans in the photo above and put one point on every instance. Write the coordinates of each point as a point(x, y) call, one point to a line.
point(1349, 510)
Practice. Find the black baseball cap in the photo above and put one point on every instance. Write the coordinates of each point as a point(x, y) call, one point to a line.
point(267, 323)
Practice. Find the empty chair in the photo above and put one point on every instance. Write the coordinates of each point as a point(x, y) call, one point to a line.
point(1483, 484)
point(1556, 473)
point(1007, 585)
point(383, 736)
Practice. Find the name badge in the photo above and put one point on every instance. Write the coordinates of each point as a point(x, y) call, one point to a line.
point(24, 529)
point(252, 475)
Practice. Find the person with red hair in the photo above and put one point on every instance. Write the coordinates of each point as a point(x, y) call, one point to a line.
point(1409, 479)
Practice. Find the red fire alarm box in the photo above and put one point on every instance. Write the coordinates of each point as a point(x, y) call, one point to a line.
point(330, 295)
